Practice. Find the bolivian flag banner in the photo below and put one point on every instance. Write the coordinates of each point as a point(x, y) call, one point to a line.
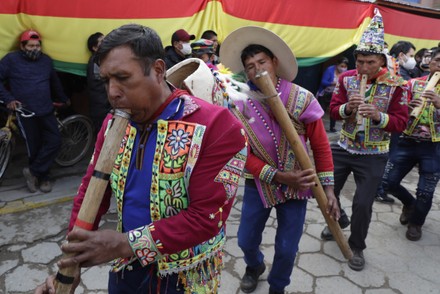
point(315, 30)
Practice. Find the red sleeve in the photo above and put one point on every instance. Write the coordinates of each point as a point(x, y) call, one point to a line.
point(339, 96)
point(398, 111)
point(254, 165)
point(223, 139)
point(77, 201)
point(319, 143)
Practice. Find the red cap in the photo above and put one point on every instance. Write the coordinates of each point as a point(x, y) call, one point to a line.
point(30, 35)
point(182, 35)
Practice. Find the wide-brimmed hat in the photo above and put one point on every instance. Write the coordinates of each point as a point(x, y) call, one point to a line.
point(235, 42)
point(194, 75)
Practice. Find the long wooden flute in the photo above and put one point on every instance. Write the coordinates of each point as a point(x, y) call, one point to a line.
point(264, 83)
point(431, 84)
point(95, 191)
point(362, 89)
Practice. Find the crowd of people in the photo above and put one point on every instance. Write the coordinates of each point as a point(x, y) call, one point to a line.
point(181, 158)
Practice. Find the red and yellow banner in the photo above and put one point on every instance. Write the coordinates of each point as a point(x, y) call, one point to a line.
point(315, 30)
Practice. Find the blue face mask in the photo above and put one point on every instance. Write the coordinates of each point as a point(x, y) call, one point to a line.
point(32, 54)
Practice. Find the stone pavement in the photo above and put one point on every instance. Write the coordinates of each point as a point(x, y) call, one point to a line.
point(30, 238)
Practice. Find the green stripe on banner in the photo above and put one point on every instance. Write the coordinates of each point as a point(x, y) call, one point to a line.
point(80, 69)
point(69, 67)
point(309, 61)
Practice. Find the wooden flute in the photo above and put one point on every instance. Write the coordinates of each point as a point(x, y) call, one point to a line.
point(95, 191)
point(362, 89)
point(431, 85)
point(266, 86)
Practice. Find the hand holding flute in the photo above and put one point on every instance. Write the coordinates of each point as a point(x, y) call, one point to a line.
point(357, 105)
point(428, 95)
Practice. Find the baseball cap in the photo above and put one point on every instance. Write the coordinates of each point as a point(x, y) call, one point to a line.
point(182, 35)
point(30, 35)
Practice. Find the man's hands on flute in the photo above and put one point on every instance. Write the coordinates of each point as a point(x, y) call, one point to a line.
point(48, 287)
point(88, 248)
point(428, 96)
point(296, 180)
point(353, 103)
point(94, 247)
point(305, 179)
point(366, 110)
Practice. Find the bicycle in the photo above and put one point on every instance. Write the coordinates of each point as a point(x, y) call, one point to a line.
point(6, 138)
point(77, 137)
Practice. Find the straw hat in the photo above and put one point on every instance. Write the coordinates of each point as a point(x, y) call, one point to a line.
point(195, 76)
point(235, 42)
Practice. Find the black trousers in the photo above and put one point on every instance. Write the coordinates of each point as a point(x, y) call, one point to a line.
point(43, 141)
point(367, 171)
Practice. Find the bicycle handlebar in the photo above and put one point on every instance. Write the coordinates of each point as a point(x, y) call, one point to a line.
point(23, 112)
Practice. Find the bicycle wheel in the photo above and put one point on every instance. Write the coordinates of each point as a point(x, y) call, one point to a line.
point(5, 150)
point(77, 137)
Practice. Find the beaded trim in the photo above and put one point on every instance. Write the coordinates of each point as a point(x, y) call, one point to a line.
point(269, 130)
point(267, 174)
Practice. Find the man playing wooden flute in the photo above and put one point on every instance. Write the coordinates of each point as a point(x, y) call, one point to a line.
point(418, 145)
point(275, 178)
point(174, 178)
point(367, 120)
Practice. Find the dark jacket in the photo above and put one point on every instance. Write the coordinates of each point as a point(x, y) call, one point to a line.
point(172, 57)
point(98, 103)
point(32, 82)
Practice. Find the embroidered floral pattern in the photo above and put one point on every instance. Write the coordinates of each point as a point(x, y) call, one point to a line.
point(143, 246)
point(178, 140)
point(177, 149)
point(231, 173)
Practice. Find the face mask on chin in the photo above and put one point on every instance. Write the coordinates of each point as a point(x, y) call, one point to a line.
point(186, 49)
point(342, 69)
point(32, 54)
point(410, 63)
point(425, 62)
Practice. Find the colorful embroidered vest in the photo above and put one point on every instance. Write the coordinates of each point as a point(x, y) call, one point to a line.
point(254, 117)
point(429, 116)
point(380, 95)
point(199, 267)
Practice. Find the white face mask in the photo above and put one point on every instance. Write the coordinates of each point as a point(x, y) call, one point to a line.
point(410, 63)
point(186, 49)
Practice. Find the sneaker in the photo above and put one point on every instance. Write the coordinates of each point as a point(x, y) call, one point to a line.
point(384, 198)
point(31, 180)
point(249, 281)
point(343, 221)
point(414, 232)
point(45, 186)
point(406, 214)
point(357, 262)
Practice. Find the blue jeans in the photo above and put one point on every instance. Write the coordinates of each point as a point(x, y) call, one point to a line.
point(408, 154)
point(393, 146)
point(290, 220)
